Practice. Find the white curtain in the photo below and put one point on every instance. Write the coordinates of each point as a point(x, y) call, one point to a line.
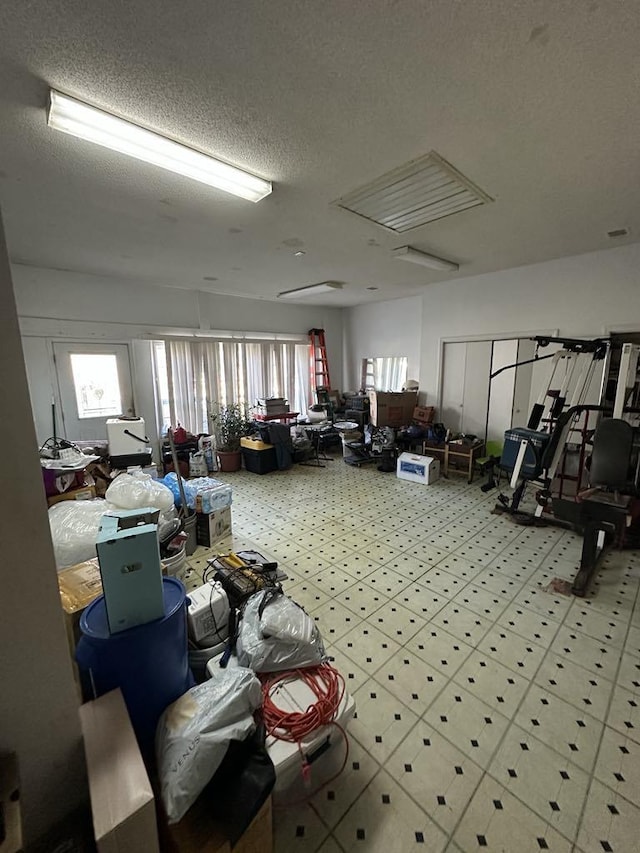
point(201, 374)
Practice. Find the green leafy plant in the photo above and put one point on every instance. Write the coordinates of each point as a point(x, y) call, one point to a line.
point(229, 424)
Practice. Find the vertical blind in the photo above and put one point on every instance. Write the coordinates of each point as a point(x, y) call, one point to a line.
point(201, 374)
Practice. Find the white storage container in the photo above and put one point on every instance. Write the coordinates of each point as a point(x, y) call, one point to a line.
point(418, 469)
point(126, 436)
point(208, 614)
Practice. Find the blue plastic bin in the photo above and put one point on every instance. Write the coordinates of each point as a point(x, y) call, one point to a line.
point(149, 663)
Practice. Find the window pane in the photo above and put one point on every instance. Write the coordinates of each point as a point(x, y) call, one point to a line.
point(95, 378)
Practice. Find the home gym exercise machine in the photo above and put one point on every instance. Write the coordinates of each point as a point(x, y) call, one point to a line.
point(531, 455)
point(603, 512)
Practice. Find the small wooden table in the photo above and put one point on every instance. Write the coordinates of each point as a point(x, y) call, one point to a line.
point(454, 452)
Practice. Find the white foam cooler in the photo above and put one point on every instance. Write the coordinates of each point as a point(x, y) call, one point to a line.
point(295, 695)
point(323, 745)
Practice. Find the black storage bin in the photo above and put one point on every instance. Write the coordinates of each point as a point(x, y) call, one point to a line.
point(260, 461)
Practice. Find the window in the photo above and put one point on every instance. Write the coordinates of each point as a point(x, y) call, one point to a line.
point(96, 383)
point(384, 373)
point(192, 376)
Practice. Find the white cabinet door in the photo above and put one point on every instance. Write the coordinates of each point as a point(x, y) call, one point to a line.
point(501, 397)
point(475, 402)
point(94, 381)
point(452, 402)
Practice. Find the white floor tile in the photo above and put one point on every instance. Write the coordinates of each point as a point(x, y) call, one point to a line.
point(362, 600)
point(297, 828)
point(496, 685)
point(381, 720)
point(497, 822)
point(618, 765)
point(624, 714)
point(421, 600)
point(464, 623)
point(367, 646)
point(589, 653)
point(337, 796)
point(610, 823)
point(561, 726)
point(385, 819)
point(543, 779)
point(482, 601)
point(461, 599)
point(467, 722)
point(386, 580)
point(411, 680)
point(577, 686)
point(439, 777)
point(530, 624)
point(440, 649)
point(334, 620)
point(511, 650)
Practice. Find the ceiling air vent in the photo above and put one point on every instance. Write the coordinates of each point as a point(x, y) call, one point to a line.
point(421, 191)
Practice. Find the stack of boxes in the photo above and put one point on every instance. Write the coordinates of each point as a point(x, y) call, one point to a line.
point(271, 406)
point(213, 509)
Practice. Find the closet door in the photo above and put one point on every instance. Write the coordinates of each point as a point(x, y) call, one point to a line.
point(501, 397)
point(453, 368)
point(465, 386)
point(475, 401)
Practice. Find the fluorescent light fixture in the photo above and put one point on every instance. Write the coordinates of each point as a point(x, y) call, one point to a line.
point(79, 119)
point(311, 290)
point(406, 253)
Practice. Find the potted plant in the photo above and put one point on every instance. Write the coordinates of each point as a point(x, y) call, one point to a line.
point(229, 424)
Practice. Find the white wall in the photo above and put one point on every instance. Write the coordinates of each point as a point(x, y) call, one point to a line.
point(382, 329)
point(39, 706)
point(69, 306)
point(585, 295)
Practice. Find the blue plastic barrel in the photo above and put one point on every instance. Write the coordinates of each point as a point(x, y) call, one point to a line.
point(149, 663)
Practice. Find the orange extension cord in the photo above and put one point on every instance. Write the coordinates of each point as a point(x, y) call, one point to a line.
point(296, 726)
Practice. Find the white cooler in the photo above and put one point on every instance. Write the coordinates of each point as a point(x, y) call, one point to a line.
point(324, 749)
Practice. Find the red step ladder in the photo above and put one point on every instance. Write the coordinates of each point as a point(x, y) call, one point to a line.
point(318, 358)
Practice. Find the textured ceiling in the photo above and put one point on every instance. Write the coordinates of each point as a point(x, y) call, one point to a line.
point(536, 102)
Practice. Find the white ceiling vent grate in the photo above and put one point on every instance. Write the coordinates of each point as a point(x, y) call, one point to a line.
point(421, 191)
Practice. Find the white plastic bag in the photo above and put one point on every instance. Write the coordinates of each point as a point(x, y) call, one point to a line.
point(137, 490)
point(74, 530)
point(194, 733)
point(198, 464)
point(278, 635)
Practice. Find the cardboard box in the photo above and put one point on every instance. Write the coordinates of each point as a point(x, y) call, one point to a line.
point(392, 408)
point(122, 802)
point(199, 832)
point(424, 414)
point(418, 469)
point(79, 585)
point(83, 493)
point(213, 526)
point(10, 819)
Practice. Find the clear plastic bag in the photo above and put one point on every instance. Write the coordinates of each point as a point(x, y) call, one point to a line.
point(194, 733)
point(212, 493)
point(276, 634)
point(137, 490)
point(74, 530)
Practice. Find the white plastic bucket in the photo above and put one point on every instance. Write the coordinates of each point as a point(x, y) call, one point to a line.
point(174, 566)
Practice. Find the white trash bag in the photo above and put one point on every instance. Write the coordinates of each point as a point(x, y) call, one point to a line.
point(138, 490)
point(194, 733)
point(74, 530)
point(276, 634)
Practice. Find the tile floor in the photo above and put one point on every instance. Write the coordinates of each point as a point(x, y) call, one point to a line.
point(491, 715)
